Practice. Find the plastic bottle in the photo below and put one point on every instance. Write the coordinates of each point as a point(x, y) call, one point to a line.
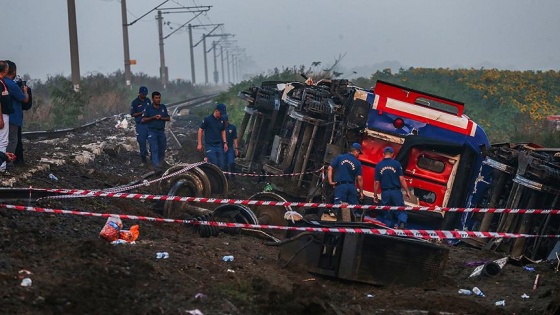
point(227, 258)
point(51, 176)
point(162, 255)
point(465, 292)
point(477, 291)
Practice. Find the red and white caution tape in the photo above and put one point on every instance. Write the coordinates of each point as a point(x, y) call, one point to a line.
point(99, 193)
point(186, 168)
point(424, 234)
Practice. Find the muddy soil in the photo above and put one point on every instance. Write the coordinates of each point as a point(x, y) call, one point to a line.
point(73, 271)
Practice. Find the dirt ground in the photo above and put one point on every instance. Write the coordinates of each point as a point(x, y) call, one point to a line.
point(73, 271)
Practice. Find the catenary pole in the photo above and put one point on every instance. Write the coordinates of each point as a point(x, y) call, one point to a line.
point(127, 73)
point(74, 53)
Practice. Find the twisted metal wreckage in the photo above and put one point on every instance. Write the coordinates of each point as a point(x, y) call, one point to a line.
point(294, 128)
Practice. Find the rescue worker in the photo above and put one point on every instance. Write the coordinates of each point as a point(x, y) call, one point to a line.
point(231, 139)
point(389, 176)
point(137, 108)
point(348, 173)
point(155, 116)
point(215, 143)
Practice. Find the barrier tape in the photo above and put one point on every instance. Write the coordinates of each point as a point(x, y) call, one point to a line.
point(424, 234)
point(274, 175)
point(99, 193)
point(186, 168)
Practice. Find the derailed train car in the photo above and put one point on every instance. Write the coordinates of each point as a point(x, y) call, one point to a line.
point(296, 129)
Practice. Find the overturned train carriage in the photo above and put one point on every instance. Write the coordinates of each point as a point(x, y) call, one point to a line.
point(295, 129)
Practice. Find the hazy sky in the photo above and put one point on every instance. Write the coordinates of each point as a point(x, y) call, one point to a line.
point(506, 34)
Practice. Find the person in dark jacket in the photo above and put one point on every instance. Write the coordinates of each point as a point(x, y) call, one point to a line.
point(215, 142)
point(348, 173)
point(19, 92)
point(155, 116)
point(389, 176)
point(137, 108)
point(231, 139)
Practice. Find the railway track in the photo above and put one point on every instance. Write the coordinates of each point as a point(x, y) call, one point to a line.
point(174, 108)
point(71, 142)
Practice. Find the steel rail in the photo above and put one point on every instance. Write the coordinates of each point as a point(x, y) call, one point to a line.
point(49, 134)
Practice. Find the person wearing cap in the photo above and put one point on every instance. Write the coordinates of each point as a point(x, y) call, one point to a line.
point(155, 116)
point(137, 108)
point(215, 142)
point(389, 176)
point(231, 139)
point(348, 173)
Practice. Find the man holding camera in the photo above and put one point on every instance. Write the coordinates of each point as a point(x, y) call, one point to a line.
point(20, 95)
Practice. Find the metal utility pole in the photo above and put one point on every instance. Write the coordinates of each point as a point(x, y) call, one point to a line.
point(222, 36)
point(162, 67)
point(216, 78)
point(199, 10)
point(125, 24)
point(74, 53)
point(222, 58)
point(202, 40)
point(227, 63)
point(205, 59)
point(191, 50)
point(127, 73)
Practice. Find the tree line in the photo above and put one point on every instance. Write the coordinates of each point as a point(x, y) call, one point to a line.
point(511, 106)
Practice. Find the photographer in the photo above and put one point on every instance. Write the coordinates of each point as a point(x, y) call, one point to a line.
point(20, 94)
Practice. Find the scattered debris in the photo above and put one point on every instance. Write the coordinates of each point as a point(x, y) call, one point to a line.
point(195, 312)
point(26, 282)
point(465, 292)
point(227, 258)
point(130, 235)
point(201, 297)
point(120, 242)
point(123, 124)
point(162, 255)
point(111, 230)
point(478, 270)
point(524, 296)
point(501, 303)
point(231, 270)
point(52, 177)
point(292, 216)
point(370, 296)
point(529, 268)
point(536, 283)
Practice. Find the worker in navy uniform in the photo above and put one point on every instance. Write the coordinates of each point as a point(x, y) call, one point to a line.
point(155, 116)
point(389, 176)
point(136, 110)
point(215, 143)
point(231, 139)
point(348, 173)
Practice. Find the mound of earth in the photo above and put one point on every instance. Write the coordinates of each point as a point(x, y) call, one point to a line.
point(73, 271)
